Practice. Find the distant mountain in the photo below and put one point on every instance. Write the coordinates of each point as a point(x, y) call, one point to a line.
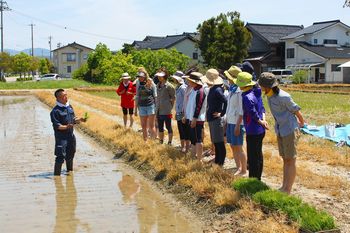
point(38, 52)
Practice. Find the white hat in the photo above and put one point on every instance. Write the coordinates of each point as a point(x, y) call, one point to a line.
point(125, 76)
point(160, 74)
point(213, 77)
point(178, 76)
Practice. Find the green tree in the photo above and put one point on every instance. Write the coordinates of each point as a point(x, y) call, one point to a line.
point(5, 63)
point(224, 40)
point(34, 64)
point(95, 61)
point(43, 66)
point(128, 48)
point(152, 60)
point(22, 63)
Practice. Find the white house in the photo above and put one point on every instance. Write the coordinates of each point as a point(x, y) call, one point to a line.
point(319, 49)
point(69, 58)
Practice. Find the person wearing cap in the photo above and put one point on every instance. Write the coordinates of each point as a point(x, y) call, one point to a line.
point(127, 91)
point(216, 109)
point(145, 100)
point(234, 119)
point(195, 112)
point(165, 104)
point(288, 119)
point(254, 122)
point(184, 131)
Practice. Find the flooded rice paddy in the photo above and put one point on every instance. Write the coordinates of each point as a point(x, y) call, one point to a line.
point(103, 195)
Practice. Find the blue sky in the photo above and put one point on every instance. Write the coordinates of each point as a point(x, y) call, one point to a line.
point(122, 21)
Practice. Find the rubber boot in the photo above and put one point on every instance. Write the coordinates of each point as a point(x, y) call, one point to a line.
point(57, 170)
point(69, 165)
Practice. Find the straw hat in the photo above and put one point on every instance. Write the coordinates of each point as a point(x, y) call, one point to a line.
point(232, 73)
point(125, 76)
point(213, 77)
point(268, 80)
point(195, 77)
point(244, 79)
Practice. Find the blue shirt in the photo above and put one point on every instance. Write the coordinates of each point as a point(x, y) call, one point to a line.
point(180, 96)
point(216, 102)
point(283, 109)
point(62, 115)
point(253, 110)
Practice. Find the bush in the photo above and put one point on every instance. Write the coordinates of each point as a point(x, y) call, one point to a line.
point(307, 217)
point(81, 73)
point(24, 79)
point(249, 186)
point(300, 76)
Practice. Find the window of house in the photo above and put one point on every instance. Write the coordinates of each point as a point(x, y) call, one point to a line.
point(195, 56)
point(335, 68)
point(315, 41)
point(71, 57)
point(69, 69)
point(85, 56)
point(327, 41)
point(290, 53)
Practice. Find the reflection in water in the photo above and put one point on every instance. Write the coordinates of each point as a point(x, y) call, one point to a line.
point(66, 203)
point(153, 216)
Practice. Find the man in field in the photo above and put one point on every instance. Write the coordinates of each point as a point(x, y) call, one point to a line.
point(63, 120)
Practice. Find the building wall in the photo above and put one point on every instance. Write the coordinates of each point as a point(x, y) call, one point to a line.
point(258, 44)
point(301, 55)
point(188, 47)
point(61, 63)
point(334, 76)
point(336, 32)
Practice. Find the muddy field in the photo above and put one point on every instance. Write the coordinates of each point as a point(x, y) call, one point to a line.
point(103, 195)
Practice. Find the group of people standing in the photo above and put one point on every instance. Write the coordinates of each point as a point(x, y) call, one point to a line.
point(231, 103)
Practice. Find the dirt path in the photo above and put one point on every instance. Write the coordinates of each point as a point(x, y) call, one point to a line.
point(101, 196)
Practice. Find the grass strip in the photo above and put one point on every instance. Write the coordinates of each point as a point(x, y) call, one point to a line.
point(305, 215)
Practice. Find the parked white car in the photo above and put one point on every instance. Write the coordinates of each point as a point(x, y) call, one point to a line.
point(283, 76)
point(49, 77)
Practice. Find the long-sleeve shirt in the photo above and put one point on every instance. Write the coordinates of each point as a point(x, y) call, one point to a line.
point(253, 110)
point(234, 106)
point(196, 105)
point(165, 98)
point(216, 102)
point(180, 96)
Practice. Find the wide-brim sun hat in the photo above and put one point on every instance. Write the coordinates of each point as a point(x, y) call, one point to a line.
point(213, 77)
point(125, 76)
point(195, 77)
point(178, 76)
point(232, 73)
point(244, 79)
point(268, 80)
point(141, 74)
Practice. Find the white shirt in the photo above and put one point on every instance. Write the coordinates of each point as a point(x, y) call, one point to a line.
point(234, 107)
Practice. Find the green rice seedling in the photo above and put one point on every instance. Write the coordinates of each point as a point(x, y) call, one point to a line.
point(306, 216)
point(249, 186)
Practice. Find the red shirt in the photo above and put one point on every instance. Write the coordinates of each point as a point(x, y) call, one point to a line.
point(127, 94)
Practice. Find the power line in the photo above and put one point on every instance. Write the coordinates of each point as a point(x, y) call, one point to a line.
point(71, 29)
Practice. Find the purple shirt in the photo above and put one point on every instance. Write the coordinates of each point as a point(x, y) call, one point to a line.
point(253, 110)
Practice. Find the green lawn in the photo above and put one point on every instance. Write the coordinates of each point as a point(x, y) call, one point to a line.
point(105, 94)
point(321, 108)
point(47, 84)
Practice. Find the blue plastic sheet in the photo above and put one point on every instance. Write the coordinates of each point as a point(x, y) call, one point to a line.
point(341, 133)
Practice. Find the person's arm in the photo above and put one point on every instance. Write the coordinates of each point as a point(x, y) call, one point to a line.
point(54, 115)
point(121, 89)
point(172, 95)
point(300, 118)
point(250, 106)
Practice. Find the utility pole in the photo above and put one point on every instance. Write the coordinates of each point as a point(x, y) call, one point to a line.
point(50, 38)
point(31, 26)
point(3, 7)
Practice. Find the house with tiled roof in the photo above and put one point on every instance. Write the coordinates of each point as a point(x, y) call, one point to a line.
point(184, 43)
point(320, 49)
point(67, 59)
point(266, 51)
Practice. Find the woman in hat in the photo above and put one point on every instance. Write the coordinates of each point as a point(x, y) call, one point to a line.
point(195, 112)
point(288, 119)
point(234, 118)
point(145, 99)
point(127, 91)
point(184, 130)
point(254, 122)
point(165, 104)
point(216, 109)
